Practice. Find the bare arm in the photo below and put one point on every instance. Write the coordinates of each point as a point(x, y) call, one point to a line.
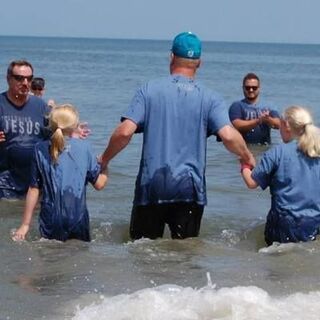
point(244, 126)
point(101, 180)
point(31, 202)
point(234, 142)
point(118, 141)
point(246, 175)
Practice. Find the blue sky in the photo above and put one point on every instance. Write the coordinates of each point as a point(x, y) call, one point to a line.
point(290, 21)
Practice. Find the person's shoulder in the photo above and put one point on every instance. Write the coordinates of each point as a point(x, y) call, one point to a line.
point(42, 146)
point(2, 99)
point(238, 105)
point(207, 91)
point(37, 101)
point(79, 143)
point(264, 103)
point(80, 148)
point(151, 84)
point(282, 150)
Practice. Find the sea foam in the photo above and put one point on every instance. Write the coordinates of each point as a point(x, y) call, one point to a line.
point(171, 302)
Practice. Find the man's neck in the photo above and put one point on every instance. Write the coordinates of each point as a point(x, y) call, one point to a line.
point(16, 99)
point(251, 101)
point(186, 72)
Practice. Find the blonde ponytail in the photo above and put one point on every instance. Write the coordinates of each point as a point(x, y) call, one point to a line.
point(63, 120)
point(303, 129)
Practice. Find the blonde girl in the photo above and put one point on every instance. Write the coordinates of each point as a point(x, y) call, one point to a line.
point(61, 169)
point(292, 172)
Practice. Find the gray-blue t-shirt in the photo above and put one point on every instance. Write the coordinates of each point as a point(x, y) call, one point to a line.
point(293, 178)
point(176, 115)
point(64, 212)
point(246, 111)
point(23, 127)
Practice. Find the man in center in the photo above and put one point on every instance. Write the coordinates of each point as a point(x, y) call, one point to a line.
point(176, 115)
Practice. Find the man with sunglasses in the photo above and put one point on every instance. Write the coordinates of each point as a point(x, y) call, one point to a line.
point(22, 125)
point(38, 86)
point(252, 118)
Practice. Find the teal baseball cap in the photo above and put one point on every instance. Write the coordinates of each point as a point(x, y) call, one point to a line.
point(186, 45)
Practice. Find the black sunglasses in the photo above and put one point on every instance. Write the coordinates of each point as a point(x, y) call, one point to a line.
point(248, 88)
point(21, 78)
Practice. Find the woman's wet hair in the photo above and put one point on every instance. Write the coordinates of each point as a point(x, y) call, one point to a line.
point(303, 129)
point(63, 120)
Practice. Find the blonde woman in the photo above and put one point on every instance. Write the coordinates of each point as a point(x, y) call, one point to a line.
point(292, 172)
point(61, 169)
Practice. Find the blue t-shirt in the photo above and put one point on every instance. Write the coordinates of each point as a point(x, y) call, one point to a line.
point(23, 127)
point(246, 111)
point(293, 178)
point(64, 213)
point(176, 115)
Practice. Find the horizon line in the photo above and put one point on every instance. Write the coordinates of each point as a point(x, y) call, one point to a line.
point(149, 39)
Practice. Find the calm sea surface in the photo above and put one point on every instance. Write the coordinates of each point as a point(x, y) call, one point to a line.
point(226, 273)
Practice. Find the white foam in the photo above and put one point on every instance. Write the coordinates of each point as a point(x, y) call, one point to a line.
point(171, 302)
point(282, 248)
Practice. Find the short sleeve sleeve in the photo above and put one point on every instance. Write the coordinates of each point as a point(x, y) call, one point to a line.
point(264, 171)
point(136, 110)
point(94, 167)
point(235, 111)
point(218, 115)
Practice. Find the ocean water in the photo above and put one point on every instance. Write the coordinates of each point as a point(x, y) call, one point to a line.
point(227, 273)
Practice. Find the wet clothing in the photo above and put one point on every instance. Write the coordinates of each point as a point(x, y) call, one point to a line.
point(176, 115)
point(294, 182)
point(64, 214)
point(23, 127)
point(243, 110)
point(183, 219)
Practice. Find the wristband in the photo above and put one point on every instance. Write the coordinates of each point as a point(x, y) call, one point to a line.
point(246, 166)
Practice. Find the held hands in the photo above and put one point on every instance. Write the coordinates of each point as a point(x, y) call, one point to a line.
point(246, 165)
point(246, 170)
point(265, 118)
point(20, 234)
point(251, 161)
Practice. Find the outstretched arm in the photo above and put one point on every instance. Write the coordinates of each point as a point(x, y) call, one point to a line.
point(31, 202)
point(234, 142)
point(118, 141)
